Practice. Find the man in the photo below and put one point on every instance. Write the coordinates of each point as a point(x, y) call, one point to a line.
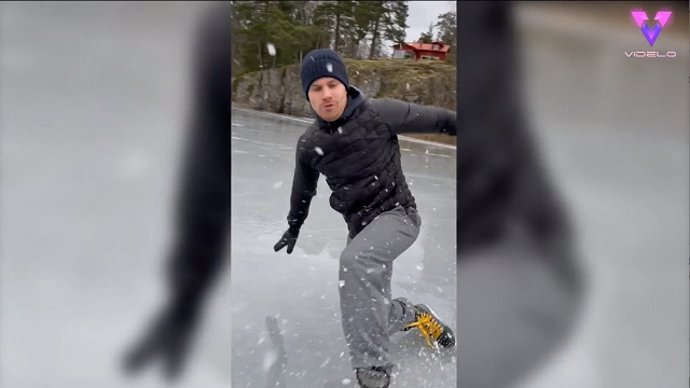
point(354, 143)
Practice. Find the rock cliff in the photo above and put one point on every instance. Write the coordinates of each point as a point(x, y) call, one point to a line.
point(423, 82)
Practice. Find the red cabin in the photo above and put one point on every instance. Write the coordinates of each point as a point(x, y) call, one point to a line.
point(418, 50)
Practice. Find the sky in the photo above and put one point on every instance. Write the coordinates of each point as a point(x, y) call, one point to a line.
point(421, 13)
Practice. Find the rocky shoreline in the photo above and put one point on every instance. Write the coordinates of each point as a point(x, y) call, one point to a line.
point(422, 82)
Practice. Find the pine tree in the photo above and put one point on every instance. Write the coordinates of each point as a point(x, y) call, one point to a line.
point(389, 21)
point(397, 21)
point(447, 28)
point(427, 37)
point(447, 33)
point(352, 28)
point(336, 18)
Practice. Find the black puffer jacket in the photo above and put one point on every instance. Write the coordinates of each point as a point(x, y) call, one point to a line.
point(360, 158)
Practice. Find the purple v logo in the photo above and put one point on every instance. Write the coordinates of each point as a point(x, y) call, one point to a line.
point(640, 18)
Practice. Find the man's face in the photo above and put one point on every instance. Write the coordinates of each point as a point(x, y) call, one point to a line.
point(328, 97)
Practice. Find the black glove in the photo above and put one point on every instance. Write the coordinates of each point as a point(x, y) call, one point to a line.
point(289, 238)
point(168, 338)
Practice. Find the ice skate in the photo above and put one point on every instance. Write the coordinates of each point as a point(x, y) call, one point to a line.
point(373, 378)
point(432, 329)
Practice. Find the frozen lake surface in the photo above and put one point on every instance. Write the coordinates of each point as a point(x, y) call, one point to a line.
point(301, 290)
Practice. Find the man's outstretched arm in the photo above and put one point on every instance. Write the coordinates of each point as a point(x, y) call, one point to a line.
point(405, 117)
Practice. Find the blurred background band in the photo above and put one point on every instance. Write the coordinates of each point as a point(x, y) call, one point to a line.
point(519, 278)
point(610, 135)
point(202, 222)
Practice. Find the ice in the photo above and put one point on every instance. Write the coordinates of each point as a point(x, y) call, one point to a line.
point(297, 285)
point(269, 359)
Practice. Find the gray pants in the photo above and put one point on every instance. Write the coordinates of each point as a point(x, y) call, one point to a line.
point(369, 316)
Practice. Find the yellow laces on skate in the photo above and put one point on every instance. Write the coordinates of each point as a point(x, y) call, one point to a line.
point(428, 327)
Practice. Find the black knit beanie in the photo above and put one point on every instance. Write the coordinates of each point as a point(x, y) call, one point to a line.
point(322, 63)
